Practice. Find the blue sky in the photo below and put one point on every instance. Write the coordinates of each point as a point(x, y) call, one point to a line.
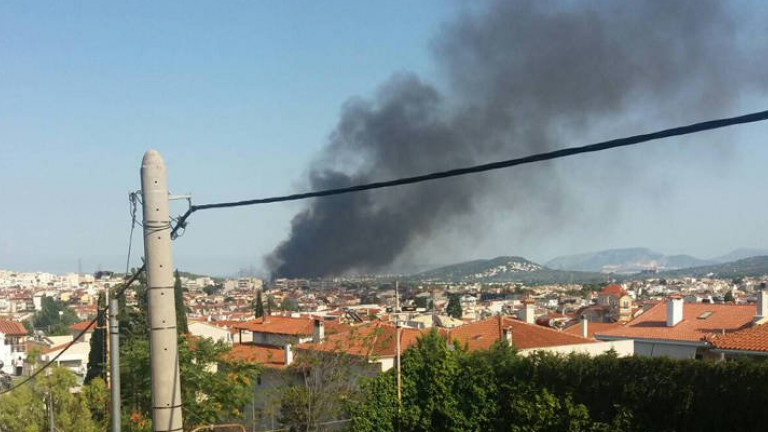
point(239, 97)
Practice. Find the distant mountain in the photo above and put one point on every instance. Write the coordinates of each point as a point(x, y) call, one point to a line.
point(747, 267)
point(481, 269)
point(506, 269)
point(740, 254)
point(629, 260)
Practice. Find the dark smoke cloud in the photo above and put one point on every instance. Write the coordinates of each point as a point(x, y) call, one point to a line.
point(518, 73)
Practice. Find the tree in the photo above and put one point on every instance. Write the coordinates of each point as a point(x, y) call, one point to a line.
point(96, 394)
point(258, 307)
point(97, 357)
point(450, 389)
point(729, 297)
point(290, 305)
point(213, 387)
point(454, 307)
point(181, 310)
point(24, 409)
point(327, 382)
point(54, 317)
point(421, 302)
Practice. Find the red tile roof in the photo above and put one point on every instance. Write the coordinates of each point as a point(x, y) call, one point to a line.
point(288, 326)
point(592, 328)
point(82, 325)
point(695, 326)
point(267, 355)
point(374, 339)
point(12, 328)
point(613, 290)
point(54, 348)
point(480, 335)
point(750, 339)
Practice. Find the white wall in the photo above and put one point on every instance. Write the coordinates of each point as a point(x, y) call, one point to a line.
point(623, 348)
point(651, 349)
point(204, 330)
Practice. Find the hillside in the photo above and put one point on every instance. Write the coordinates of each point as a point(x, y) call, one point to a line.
point(628, 260)
point(739, 254)
point(749, 267)
point(506, 269)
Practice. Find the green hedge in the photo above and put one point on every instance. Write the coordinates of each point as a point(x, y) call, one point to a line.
point(498, 390)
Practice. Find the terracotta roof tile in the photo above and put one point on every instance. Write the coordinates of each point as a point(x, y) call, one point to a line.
point(750, 339)
point(592, 328)
point(288, 326)
point(266, 355)
point(374, 339)
point(480, 335)
point(12, 328)
point(613, 290)
point(695, 326)
point(82, 325)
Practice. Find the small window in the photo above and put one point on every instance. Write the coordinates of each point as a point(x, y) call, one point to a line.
point(704, 315)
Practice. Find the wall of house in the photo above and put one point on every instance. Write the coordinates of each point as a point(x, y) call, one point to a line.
point(652, 349)
point(210, 331)
point(5, 356)
point(12, 352)
point(278, 339)
point(623, 348)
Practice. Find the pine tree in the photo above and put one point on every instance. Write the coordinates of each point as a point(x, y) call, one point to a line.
point(729, 297)
point(97, 356)
point(454, 307)
point(258, 307)
point(181, 311)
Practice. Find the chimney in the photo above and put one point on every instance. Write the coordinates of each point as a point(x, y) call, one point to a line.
point(584, 327)
point(506, 335)
point(674, 310)
point(318, 334)
point(288, 354)
point(528, 312)
point(762, 305)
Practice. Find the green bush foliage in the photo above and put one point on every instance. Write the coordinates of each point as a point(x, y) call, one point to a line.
point(449, 389)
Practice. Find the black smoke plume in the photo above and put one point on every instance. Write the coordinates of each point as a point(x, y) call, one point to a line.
point(517, 74)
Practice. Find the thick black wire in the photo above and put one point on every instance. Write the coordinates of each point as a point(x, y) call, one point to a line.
point(556, 154)
point(571, 151)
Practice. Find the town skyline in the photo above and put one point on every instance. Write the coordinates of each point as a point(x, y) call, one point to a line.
point(698, 195)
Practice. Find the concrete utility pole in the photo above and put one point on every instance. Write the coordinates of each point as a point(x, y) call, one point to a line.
point(51, 421)
point(397, 344)
point(114, 364)
point(163, 343)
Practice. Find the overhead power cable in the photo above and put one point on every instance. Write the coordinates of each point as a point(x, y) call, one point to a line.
point(541, 157)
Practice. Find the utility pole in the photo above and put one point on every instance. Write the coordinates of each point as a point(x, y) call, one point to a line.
point(397, 343)
point(163, 343)
point(51, 420)
point(114, 364)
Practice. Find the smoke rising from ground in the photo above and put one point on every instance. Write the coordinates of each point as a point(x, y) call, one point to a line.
point(518, 74)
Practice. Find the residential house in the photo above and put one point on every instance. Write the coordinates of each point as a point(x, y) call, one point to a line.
point(13, 347)
point(618, 302)
point(681, 330)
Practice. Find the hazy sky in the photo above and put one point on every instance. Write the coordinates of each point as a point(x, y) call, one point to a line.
point(239, 97)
